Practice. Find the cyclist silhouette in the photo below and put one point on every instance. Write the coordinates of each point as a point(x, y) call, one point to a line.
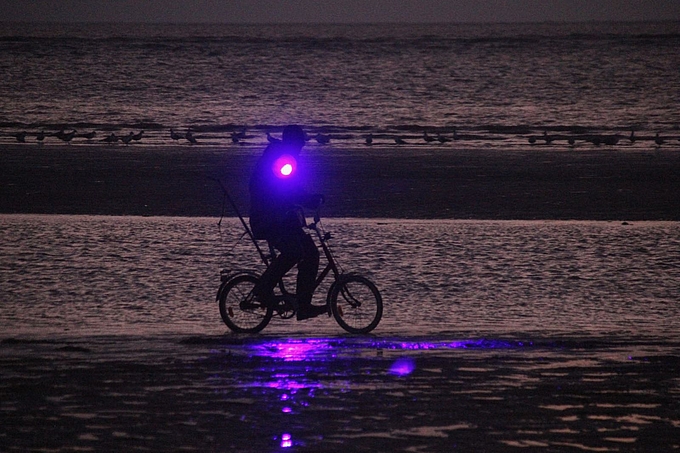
point(276, 193)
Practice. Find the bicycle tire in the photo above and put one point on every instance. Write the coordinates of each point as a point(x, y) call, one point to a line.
point(356, 304)
point(238, 319)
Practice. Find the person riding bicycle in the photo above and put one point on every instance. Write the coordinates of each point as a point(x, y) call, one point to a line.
point(276, 194)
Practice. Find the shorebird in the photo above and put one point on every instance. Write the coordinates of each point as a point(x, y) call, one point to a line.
point(137, 137)
point(67, 137)
point(322, 139)
point(113, 138)
point(369, 140)
point(658, 140)
point(427, 138)
point(189, 136)
point(173, 135)
point(89, 135)
point(597, 140)
point(442, 139)
point(532, 140)
point(610, 140)
point(571, 141)
point(548, 138)
point(21, 137)
point(40, 137)
point(271, 139)
point(235, 137)
point(399, 141)
point(128, 138)
point(240, 135)
point(62, 135)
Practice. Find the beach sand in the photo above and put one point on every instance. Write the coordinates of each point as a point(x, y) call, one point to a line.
point(538, 183)
point(268, 393)
point(254, 394)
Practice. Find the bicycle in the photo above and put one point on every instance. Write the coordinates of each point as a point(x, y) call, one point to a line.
point(352, 299)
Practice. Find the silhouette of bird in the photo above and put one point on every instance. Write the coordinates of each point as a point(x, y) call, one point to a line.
point(240, 135)
point(67, 137)
point(399, 141)
point(89, 135)
point(532, 140)
point(113, 138)
point(369, 140)
point(658, 140)
point(443, 139)
point(138, 136)
point(61, 134)
point(597, 140)
point(427, 138)
point(571, 141)
point(548, 138)
point(610, 140)
point(271, 139)
point(40, 137)
point(174, 135)
point(21, 137)
point(190, 136)
point(128, 138)
point(322, 139)
point(235, 137)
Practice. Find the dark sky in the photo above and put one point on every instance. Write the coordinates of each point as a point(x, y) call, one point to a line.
point(339, 11)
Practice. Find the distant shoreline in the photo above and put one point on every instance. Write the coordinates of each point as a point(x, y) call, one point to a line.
point(545, 184)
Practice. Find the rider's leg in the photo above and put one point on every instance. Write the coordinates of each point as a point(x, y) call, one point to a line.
point(275, 272)
point(287, 242)
point(306, 279)
point(308, 267)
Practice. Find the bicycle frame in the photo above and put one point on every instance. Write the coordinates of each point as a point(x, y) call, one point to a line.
point(241, 311)
point(267, 259)
point(330, 265)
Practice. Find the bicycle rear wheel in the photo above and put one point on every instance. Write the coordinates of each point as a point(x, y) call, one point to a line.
point(356, 304)
point(239, 312)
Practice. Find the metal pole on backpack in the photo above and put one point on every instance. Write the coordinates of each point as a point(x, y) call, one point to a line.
point(243, 222)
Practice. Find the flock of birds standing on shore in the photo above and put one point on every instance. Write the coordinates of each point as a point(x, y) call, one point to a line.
point(324, 139)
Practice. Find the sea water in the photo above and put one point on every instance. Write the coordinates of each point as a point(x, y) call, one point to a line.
point(75, 276)
point(494, 84)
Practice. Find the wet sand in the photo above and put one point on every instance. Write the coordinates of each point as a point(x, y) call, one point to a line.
point(271, 393)
point(538, 183)
point(230, 393)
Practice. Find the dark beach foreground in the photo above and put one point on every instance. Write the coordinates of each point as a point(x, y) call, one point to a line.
point(255, 394)
point(435, 182)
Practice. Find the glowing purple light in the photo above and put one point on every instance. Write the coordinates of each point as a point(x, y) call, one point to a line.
point(286, 440)
point(403, 366)
point(284, 166)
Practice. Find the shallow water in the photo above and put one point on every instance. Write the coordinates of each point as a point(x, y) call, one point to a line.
point(496, 83)
point(496, 336)
point(72, 275)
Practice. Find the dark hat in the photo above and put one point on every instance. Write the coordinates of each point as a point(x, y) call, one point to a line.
point(293, 135)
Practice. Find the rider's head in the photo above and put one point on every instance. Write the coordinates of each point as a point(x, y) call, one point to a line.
point(293, 137)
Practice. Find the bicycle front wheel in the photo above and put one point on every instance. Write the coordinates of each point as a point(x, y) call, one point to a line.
point(239, 312)
point(356, 304)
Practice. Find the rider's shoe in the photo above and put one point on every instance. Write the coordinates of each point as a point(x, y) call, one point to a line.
point(311, 311)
